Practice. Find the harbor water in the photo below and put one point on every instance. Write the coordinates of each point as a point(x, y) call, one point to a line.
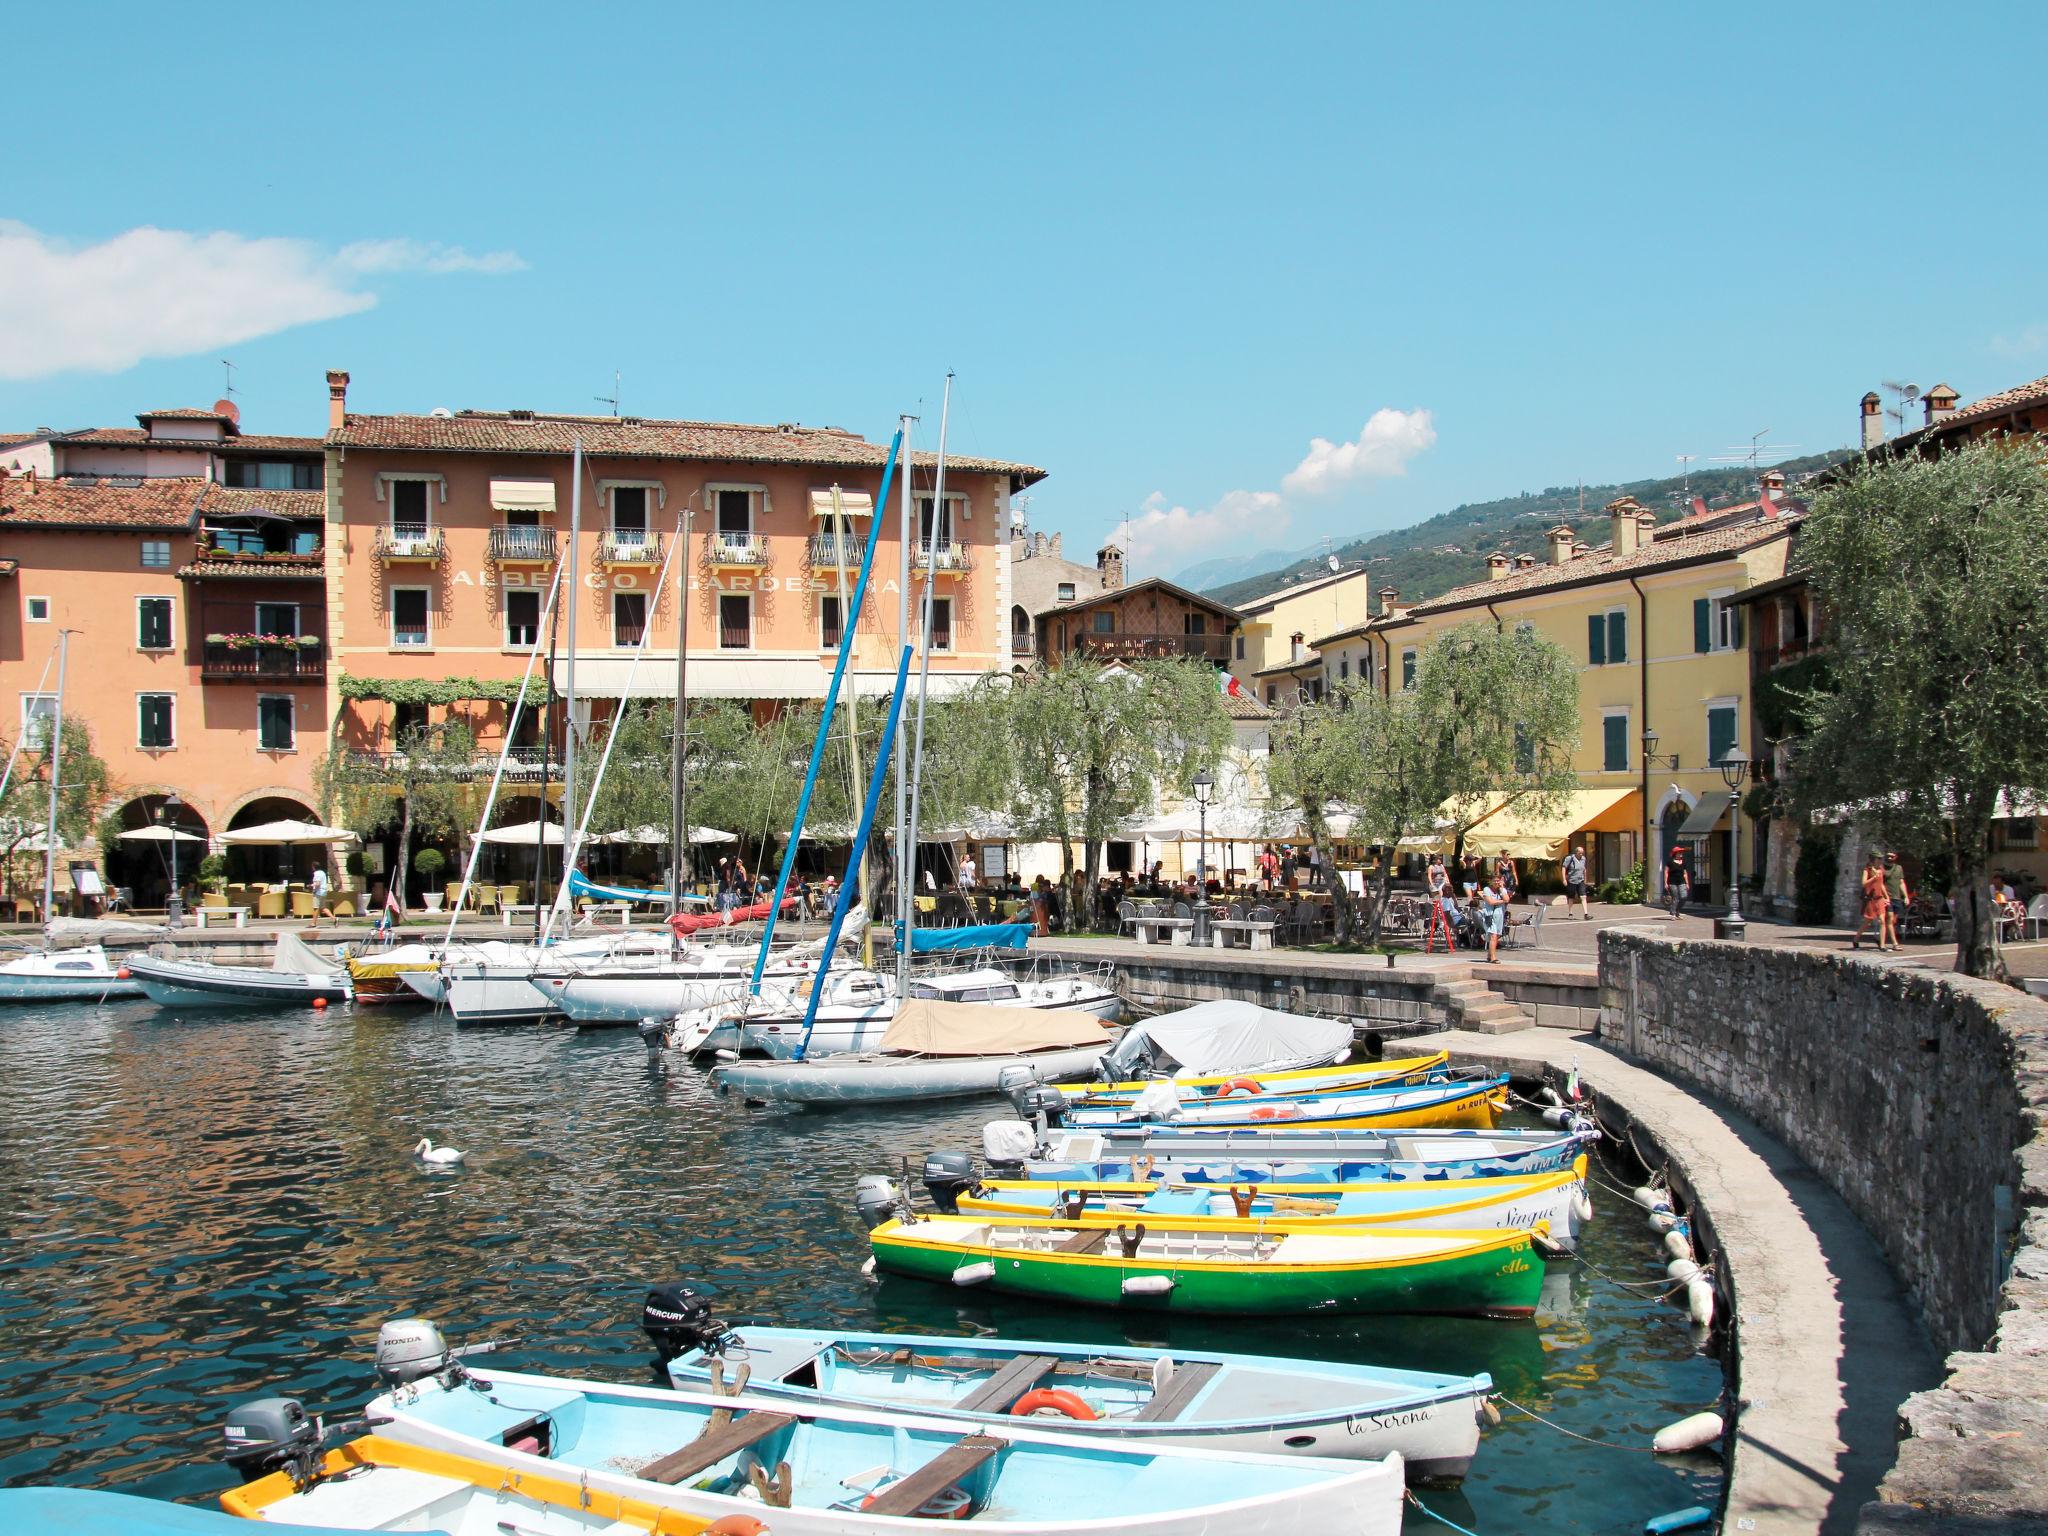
point(209, 1207)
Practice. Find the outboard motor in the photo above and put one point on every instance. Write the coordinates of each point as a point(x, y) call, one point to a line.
point(1041, 1104)
point(877, 1198)
point(1005, 1144)
point(409, 1348)
point(947, 1176)
point(269, 1435)
point(654, 1035)
point(677, 1320)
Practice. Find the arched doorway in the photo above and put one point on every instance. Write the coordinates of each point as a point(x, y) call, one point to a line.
point(144, 867)
point(250, 864)
point(1670, 817)
point(1020, 630)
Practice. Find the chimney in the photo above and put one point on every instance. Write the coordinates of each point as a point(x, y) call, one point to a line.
point(1621, 519)
point(1524, 562)
point(1109, 564)
point(1873, 421)
point(1498, 564)
point(1581, 548)
point(1940, 402)
point(1771, 484)
point(1052, 546)
point(1387, 596)
point(337, 399)
point(1561, 539)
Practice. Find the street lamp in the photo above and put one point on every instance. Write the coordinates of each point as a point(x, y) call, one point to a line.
point(1205, 786)
point(1734, 769)
point(174, 904)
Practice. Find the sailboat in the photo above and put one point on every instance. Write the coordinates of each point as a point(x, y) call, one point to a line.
point(51, 974)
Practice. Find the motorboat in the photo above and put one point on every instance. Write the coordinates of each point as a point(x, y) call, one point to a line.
point(1226, 1038)
point(84, 974)
point(1464, 1102)
point(296, 975)
point(1016, 1148)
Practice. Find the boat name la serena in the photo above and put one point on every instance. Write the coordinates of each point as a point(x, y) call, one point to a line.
point(629, 581)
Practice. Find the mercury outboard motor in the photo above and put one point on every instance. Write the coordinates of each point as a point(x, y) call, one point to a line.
point(947, 1176)
point(409, 1348)
point(269, 1435)
point(877, 1198)
point(677, 1320)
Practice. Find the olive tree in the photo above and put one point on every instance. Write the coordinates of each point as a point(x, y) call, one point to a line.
point(81, 788)
point(1933, 574)
point(425, 785)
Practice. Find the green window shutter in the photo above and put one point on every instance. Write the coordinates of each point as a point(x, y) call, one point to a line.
point(1596, 640)
point(1702, 625)
point(1617, 637)
point(1735, 628)
point(1720, 734)
point(1615, 730)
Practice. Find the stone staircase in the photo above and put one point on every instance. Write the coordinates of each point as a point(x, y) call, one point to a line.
point(1469, 1003)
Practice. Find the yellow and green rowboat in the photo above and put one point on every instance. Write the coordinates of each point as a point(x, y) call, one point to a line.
point(1275, 1269)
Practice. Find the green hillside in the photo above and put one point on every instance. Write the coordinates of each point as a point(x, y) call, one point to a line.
point(1450, 549)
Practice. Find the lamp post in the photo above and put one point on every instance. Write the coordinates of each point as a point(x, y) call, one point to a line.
point(1734, 767)
point(1652, 758)
point(174, 904)
point(1205, 785)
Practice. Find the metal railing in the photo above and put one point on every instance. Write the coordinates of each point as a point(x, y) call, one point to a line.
point(521, 763)
point(630, 547)
point(829, 552)
point(1141, 645)
point(521, 541)
point(723, 548)
point(263, 664)
point(942, 557)
point(408, 541)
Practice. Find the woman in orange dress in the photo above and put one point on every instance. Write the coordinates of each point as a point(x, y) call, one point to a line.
point(1875, 901)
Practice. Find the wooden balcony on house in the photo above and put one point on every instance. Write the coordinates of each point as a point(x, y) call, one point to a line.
point(1139, 645)
point(228, 663)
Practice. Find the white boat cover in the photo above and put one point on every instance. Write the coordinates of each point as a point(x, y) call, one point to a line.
point(933, 1028)
point(65, 932)
point(1231, 1036)
point(294, 957)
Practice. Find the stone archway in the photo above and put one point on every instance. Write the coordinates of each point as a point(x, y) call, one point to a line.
point(145, 868)
point(261, 863)
point(1672, 810)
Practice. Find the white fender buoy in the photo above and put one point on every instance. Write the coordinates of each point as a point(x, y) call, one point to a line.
point(974, 1274)
point(1683, 1270)
point(1662, 1221)
point(1148, 1285)
point(868, 1269)
point(1678, 1245)
point(1487, 1411)
point(1550, 1096)
point(1699, 1301)
point(1582, 1205)
point(1688, 1434)
point(1556, 1115)
point(1647, 1197)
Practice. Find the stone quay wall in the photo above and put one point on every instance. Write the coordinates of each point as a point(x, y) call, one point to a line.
point(1922, 1099)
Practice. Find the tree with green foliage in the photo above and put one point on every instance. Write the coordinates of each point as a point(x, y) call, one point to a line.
point(1087, 746)
point(426, 786)
point(1934, 575)
point(26, 806)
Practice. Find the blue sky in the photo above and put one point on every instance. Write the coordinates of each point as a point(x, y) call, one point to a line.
point(1165, 248)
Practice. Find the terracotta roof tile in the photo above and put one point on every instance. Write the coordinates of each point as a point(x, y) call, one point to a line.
point(226, 501)
point(135, 437)
point(2019, 395)
point(1242, 706)
point(1600, 563)
point(165, 502)
point(264, 568)
point(185, 413)
point(630, 437)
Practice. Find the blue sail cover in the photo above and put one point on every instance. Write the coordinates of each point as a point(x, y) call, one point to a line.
point(581, 884)
point(975, 936)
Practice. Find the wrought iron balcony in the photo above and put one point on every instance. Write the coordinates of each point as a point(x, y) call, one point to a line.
point(263, 664)
point(946, 558)
point(736, 549)
point(409, 541)
point(630, 548)
point(523, 764)
point(828, 552)
point(521, 544)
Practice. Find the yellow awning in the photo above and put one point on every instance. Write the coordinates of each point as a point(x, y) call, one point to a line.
point(851, 503)
point(525, 494)
point(1525, 834)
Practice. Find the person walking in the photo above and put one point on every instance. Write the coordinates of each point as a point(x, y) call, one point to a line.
point(1575, 882)
point(1896, 896)
point(1677, 879)
point(1874, 900)
point(319, 885)
point(1504, 867)
point(1496, 899)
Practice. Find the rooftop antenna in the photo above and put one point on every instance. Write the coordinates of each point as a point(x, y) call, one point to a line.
point(1903, 395)
point(1758, 452)
point(230, 371)
point(1020, 513)
point(1685, 461)
point(611, 399)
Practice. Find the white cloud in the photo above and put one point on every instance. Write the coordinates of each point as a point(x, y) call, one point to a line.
point(1384, 447)
point(167, 293)
point(1168, 536)
point(2031, 342)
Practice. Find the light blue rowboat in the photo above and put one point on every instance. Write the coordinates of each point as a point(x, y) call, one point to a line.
point(860, 1472)
point(1443, 1103)
point(1143, 1397)
point(1291, 1157)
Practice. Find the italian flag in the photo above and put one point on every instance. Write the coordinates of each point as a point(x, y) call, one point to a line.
point(1228, 686)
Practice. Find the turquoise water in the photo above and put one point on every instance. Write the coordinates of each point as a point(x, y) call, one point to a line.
point(205, 1208)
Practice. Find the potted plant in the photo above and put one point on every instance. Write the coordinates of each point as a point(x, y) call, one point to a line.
point(213, 872)
point(430, 863)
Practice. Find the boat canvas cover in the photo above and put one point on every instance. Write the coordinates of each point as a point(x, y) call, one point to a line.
point(929, 1027)
point(973, 936)
point(1231, 1036)
point(295, 958)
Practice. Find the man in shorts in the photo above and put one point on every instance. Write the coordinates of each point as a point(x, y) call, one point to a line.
point(1575, 882)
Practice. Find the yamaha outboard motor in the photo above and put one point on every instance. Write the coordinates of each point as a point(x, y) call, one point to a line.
point(877, 1198)
point(677, 1320)
point(409, 1348)
point(947, 1176)
point(1040, 1103)
point(269, 1435)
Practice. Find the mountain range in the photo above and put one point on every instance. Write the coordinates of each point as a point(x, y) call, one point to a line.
point(1450, 549)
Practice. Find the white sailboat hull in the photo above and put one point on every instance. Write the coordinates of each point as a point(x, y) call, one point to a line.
point(65, 975)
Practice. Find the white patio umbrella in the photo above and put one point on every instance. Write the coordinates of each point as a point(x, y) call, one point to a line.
point(657, 837)
point(522, 833)
point(155, 834)
point(286, 834)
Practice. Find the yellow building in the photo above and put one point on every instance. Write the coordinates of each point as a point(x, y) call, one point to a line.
point(1659, 649)
point(1273, 630)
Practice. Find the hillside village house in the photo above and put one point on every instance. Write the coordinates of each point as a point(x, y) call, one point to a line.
point(1043, 580)
point(1146, 621)
point(1271, 655)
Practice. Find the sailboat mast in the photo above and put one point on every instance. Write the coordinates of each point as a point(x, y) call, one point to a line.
point(924, 662)
point(56, 764)
point(867, 941)
point(569, 672)
point(679, 750)
point(904, 905)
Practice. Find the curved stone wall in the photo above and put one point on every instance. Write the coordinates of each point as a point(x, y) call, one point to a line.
point(1922, 1099)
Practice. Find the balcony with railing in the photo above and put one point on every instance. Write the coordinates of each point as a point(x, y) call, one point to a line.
point(521, 544)
point(630, 546)
point(742, 550)
point(252, 659)
point(944, 557)
point(1142, 645)
point(212, 560)
point(399, 542)
point(829, 552)
point(522, 764)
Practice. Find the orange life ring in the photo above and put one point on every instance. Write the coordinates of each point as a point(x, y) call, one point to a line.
point(1270, 1112)
point(1068, 1403)
point(1247, 1084)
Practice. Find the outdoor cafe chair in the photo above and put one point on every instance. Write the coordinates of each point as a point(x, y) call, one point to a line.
point(1126, 917)
point(270, 904)
point(303, 904)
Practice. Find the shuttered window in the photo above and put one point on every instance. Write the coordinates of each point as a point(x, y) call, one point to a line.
point(153, 623)
point(1614, 743)
point(1617, 638)
point(1408, 670)
point(275, 726)
point(153, 720)
point(1702, 625)
point(1607, 638)
point(1596, 640)
point(1720, 731)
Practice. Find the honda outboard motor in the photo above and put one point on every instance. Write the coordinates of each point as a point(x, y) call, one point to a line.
point(269, 1435)
point(409, 1348)
point(677, 1320)
point(877, 1198)
point(947, 1176)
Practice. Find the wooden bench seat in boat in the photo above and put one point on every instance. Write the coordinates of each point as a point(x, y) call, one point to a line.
point(1084, 1242)
point(934, 1477)
point(1007, 1385)
point(1180, 1390)
point(714, 1445)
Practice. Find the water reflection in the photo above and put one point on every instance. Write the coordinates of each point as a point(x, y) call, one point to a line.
point(210, 1207)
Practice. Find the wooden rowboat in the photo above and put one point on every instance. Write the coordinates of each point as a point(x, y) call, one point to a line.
point(1276, 1268)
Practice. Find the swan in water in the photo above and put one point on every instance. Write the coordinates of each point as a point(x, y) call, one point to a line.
point(444, 1157)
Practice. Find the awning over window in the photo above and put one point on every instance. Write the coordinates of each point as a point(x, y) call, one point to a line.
point(523, 495)
point(851, 503)
point(1707, 814)
point(1525, 834)
point(731, 677)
